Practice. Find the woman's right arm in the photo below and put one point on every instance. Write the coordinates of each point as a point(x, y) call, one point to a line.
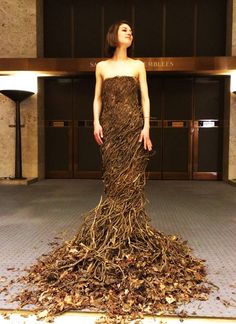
point(97, 105)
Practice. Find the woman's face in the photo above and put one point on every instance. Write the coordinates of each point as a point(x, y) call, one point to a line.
point(125, 35)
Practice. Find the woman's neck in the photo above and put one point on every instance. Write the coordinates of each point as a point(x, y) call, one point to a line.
point(120, 54)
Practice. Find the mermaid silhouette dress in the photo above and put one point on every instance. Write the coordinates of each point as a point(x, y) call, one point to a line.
point(119, 225)
point(118, 231)
point(117, 261)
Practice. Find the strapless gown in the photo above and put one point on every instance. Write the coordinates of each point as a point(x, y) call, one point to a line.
point(117, 261)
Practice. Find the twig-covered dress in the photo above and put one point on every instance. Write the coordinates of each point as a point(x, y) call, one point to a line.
point(117, 261)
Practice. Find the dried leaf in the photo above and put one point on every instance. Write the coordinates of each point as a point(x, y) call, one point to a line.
point(42, 314)
point(170, 299)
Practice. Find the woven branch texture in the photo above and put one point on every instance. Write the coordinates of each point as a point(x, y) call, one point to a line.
point(117, 262)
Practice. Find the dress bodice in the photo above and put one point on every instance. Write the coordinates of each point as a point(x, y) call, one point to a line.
point(120, 101)
point(120, 89)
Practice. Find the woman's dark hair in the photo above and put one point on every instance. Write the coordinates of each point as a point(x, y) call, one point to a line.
point(111, 41)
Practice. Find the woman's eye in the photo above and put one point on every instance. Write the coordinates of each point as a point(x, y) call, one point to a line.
point(126, 31)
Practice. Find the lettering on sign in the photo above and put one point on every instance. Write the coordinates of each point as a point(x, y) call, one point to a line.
point(157, 64)
point(153, 64)
point(92, 64)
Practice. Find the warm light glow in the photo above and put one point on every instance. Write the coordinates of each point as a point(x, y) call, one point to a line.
point(233, 81)
point(20, 81)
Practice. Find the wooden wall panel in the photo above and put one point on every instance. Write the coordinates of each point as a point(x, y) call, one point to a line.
point(155, 91)
point(148, 28)
point(175, 150)
point(178, 98)
point(116, 10)
point(58, 35)
point(58, 99)
point(87, 28)
point(58, 155)
point(211, 27)
point(88, 157)
point(171, 28)
point(179, 36)
point(208, 98)
point(83, 93)
point(210, 150)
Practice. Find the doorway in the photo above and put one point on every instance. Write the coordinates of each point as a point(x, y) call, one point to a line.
point(186, 127)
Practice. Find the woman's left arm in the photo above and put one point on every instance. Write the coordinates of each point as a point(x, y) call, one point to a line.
point(145, 106)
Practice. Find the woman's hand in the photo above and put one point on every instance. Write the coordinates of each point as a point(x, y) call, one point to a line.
point(98, 133)
point(146, 139)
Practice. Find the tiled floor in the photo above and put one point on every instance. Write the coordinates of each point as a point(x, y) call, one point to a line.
point(202, 212)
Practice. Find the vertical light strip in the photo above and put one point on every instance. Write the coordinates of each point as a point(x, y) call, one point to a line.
point(233, 81)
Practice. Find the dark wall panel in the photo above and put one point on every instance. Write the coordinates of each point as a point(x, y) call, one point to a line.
point(83, 98)
point(208, 98)
point(148, 38)
point(211, 27)
point(57, 149)
point(77, 28)
point(89, 158)
point(57, 28)
point(87, 28)
point(210, 150)
point(58, 99)
point(179, 28)
point(116, 10)
point(177, 98)
point(175, 150)
point(155, 96)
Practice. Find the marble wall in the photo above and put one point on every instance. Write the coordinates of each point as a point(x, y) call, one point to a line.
point(7, 152)
point(29, 137)
point(18, 28)
point(18, 39)
point(234, 29)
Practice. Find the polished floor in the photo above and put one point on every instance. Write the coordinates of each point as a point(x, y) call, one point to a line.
point(202, 212)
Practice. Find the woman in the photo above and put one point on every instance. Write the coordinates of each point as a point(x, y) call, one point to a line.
point(119, 38)
point(118, 262)
point(121, 124)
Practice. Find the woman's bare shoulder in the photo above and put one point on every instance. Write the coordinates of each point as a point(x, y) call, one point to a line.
point(102, 66)
point(102, 63)
point(138, 65)
point(136, 61)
